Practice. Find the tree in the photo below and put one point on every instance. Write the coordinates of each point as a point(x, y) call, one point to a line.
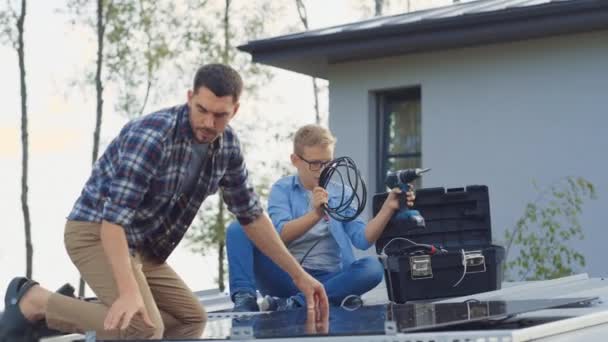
point(209, 228)
point(134, 40)
point(542, 233)
point(139, 39)
point(128, 33)
point(315, 88)
point(12, 23)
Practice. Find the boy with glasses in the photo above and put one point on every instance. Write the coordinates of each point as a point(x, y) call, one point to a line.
point(322, 245)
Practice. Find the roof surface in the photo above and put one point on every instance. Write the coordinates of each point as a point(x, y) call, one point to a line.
point(564, 324)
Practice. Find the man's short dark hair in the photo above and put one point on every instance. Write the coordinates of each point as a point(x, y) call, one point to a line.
point(221, 79)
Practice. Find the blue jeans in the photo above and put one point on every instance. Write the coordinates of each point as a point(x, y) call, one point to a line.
point(249, 269)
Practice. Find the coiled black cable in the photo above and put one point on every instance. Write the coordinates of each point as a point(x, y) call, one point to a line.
point(346, 169)
point(353, 189)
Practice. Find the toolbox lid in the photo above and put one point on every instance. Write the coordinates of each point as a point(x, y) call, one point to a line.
point(454, 217)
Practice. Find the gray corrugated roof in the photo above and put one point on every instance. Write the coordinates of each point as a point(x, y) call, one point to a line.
point(462, 24)
point(428, 15)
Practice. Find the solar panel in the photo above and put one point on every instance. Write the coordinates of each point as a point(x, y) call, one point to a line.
point(386, 319)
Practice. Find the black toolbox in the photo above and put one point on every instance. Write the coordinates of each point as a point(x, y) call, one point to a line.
point(458, 221)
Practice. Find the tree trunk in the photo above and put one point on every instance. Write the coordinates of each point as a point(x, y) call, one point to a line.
point(29, 249)
point(99, 107)
point(220, 259)
point(221, 224)
point(98, 82)
point(315, 88)
point(149, 67)
point(315, 91)
point(226, 52)
point(378, 11)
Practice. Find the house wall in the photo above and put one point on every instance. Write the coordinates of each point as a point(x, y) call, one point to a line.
point(503, 115)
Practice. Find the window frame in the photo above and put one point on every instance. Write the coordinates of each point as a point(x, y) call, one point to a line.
point(383, 101)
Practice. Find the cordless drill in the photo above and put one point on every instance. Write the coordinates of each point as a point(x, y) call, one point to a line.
point(401, 179)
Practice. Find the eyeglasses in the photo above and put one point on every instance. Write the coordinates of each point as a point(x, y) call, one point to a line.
point(315, 165)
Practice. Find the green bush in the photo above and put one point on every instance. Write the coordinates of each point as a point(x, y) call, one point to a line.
point(542, 234)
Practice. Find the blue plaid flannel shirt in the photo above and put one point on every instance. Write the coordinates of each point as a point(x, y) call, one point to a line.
point(137, 182)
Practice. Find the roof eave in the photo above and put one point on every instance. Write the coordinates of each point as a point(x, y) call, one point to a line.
point(312, 55)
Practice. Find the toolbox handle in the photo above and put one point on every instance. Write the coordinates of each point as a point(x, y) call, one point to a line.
point(476, 214)
point(455, 193)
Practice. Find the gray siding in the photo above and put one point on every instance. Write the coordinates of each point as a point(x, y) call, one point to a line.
point(501, 115)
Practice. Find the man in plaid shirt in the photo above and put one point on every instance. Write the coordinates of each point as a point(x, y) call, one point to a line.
point(136, 206)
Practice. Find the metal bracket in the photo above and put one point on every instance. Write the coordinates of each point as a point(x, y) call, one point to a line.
point(90, 336)
point(420, 267)
point(390, 328)
point(476, 309)
point(243, 333)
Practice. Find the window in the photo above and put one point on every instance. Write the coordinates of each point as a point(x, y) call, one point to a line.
point(399, 132)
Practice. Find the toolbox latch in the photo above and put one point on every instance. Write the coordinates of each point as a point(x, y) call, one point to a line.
point(475, 261)
point(420, 267)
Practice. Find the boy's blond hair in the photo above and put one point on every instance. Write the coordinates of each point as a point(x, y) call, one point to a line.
point(312, 135)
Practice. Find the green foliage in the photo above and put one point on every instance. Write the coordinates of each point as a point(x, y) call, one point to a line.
point(152, 47)
point(8, 24)
point(138, 34)
point(542, 234)
point(207, 232)
point(140, 37)
point(209, 227)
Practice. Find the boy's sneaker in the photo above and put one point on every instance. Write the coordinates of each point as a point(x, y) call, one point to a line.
point(351, 302)
point(270, 303)
point(245, 302)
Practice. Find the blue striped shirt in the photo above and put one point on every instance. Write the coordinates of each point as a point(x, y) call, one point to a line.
point(137, 182)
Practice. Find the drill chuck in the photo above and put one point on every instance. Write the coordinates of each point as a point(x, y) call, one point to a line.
point(401, 178)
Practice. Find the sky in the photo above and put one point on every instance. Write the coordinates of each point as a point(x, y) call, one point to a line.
point(61, 120)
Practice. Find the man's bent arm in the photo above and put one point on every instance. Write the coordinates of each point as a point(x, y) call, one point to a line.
point(265, 238)
point(115, 246)
point(298, 227)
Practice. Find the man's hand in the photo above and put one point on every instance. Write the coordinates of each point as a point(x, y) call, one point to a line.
point(316, 298)
point(123, 310)
point(262, 234)
point(316, 327)
point(319, 198)
point(129, 302)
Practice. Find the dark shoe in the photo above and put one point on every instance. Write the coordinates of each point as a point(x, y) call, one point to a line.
point(245, 302)
point(67, 290)
point(270, 303)
point(13, 325)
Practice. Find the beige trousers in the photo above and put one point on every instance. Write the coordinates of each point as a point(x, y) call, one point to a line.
point(173, 308)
